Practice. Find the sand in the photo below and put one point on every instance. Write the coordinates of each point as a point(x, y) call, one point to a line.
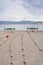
point(21, 48)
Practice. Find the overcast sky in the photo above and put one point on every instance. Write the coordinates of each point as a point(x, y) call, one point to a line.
point(21, 10)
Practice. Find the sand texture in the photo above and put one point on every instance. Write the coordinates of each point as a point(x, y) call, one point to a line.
point(21, 48)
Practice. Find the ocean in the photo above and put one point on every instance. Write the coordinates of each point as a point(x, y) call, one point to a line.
point(21, 26)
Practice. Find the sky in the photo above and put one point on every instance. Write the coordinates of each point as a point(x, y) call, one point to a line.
point(17, 10)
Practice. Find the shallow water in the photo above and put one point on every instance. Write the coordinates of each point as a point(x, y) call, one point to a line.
point(20, 26)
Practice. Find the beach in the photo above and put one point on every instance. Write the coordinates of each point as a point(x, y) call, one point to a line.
point(21, 48)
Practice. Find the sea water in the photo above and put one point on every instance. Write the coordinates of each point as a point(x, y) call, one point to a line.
point(21, 26)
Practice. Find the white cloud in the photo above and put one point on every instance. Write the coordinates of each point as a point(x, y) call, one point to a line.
point(14, 10)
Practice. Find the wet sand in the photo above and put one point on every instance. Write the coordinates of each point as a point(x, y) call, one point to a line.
point(21, 48)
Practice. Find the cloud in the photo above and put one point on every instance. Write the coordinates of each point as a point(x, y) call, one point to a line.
point(35, 6)
point(21, 9)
